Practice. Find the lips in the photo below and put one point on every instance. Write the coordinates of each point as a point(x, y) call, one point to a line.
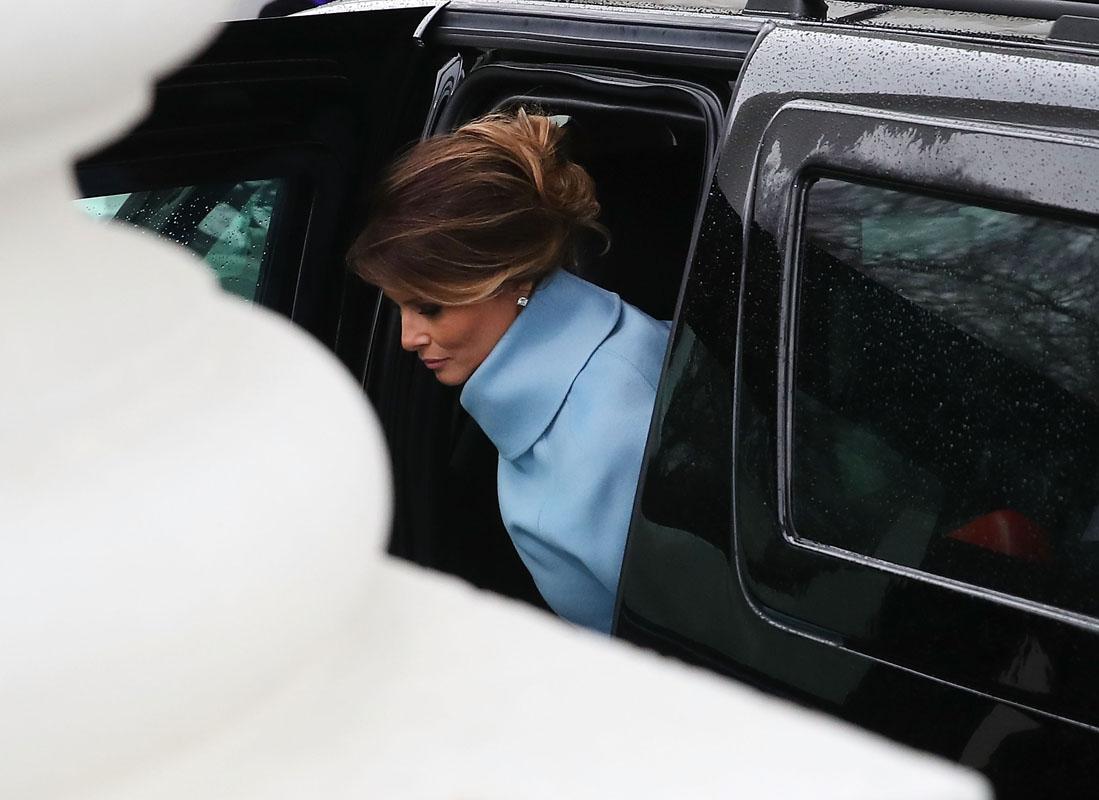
point(434, 363)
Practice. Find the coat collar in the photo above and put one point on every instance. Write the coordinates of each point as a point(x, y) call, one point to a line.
point(518, 390)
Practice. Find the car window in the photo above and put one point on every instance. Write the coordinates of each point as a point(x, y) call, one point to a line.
point(227, 224)
point(945, 404)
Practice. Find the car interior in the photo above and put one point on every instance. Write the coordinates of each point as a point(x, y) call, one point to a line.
point(647, 145)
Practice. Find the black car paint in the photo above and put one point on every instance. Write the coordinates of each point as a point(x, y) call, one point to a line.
point(711, 573)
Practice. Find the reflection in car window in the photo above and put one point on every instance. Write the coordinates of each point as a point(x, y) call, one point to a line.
point(946, 390)
point(228, 225)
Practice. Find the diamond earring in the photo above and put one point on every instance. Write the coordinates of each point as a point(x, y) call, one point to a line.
point(522, 302)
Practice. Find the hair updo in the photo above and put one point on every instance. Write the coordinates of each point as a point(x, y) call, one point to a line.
point(462, 215)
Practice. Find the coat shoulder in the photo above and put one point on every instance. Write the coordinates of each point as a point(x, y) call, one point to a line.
point(636, 344)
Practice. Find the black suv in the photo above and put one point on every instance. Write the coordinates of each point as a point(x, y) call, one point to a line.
point(872, 477)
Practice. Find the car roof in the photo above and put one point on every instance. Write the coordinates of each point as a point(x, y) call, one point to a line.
point(910, 17)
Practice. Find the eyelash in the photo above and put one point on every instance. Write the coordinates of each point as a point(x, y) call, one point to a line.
point(429, 311)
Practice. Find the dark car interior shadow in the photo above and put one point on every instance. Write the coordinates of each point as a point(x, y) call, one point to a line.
point(646, 146)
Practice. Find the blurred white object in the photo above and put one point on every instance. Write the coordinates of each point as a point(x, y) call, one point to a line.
point(244, 9)
point(193, 496)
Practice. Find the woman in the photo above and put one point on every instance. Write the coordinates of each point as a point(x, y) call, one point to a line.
point(470, 238)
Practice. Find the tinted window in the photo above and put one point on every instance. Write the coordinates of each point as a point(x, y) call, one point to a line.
point(946, 390)
point(228, 225)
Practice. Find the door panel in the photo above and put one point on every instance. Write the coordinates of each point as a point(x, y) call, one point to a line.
point(873, 464)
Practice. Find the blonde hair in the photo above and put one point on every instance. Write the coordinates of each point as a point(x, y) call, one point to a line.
point(462, 215)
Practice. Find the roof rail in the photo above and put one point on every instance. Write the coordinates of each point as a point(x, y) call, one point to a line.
point(1030, 9)
point(799, 9)
point(1076, 30)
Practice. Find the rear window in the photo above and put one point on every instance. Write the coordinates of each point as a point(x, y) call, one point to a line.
point(945, 404)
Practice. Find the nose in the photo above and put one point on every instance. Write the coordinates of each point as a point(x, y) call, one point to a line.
point(414, 335)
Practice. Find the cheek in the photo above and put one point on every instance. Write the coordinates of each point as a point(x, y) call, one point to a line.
point(493, 326)
point(480, 343)
point(470, 334)
point(456, 332)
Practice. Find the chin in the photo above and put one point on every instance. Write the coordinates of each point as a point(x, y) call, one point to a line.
point(448, 379)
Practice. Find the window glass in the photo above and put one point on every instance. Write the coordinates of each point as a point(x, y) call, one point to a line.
point(228, 224)
point(946, 390)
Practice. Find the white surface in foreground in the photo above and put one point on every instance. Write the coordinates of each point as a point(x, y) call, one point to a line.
point(446, 692)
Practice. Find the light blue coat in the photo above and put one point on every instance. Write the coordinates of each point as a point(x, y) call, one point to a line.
point(566, 396)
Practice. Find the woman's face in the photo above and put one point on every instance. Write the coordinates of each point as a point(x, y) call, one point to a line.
point(452, 341)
